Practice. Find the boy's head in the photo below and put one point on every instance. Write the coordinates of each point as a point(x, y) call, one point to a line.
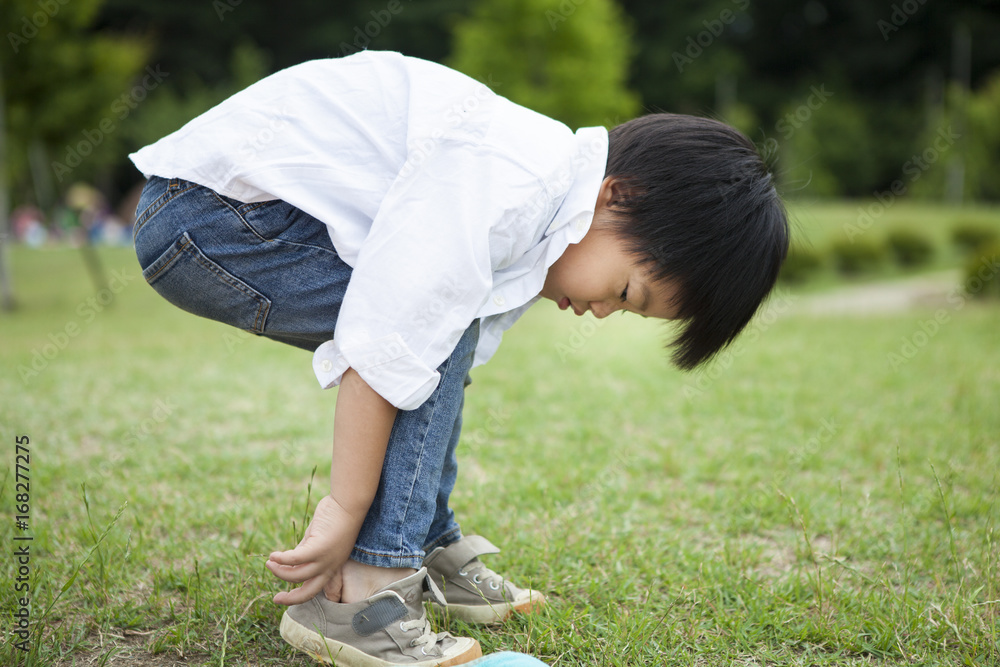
point(697, 209)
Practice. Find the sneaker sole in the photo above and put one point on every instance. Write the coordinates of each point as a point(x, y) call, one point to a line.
point(483, 614)
point(328, 650)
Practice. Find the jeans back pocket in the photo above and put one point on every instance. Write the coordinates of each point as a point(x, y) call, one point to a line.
point(187, 278)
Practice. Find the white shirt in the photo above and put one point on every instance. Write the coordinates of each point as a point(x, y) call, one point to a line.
point(448, 201)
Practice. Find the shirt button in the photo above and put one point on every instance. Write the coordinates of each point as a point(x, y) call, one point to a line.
point(499, 300)
point(581, 225)
point(326, 365)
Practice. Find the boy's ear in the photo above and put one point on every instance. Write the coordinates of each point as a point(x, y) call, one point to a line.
point(613, 193)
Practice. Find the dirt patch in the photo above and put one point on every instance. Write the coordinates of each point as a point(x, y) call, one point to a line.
point(926, 291)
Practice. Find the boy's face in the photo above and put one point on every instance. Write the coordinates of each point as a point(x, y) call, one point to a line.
point(600, 275)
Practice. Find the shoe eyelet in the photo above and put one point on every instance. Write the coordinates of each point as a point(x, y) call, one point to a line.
point(424, 651)
point(463, 573)
point(402, 629)
point(476, 579)
point(495, 586)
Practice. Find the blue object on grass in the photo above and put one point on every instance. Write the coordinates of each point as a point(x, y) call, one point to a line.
point(507, 659)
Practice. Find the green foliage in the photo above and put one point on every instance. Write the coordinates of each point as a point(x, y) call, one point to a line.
point(857, 257)
point(802, 262)
point(62, 80)
point(568, 59)
point(827, 147)
point(909, 248)
point(968, 236)
point(971, 122)
point(175, 105)
point(982, 272)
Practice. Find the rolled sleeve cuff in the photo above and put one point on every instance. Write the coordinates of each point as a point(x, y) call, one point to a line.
point(387, 364)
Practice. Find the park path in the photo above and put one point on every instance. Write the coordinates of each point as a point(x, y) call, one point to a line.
point(925, 291)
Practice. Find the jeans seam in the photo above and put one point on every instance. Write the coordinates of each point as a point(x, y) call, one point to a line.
point(211, 267)
point(250, 293)
point(239, 215)
point(158, 203)
point(423, 438)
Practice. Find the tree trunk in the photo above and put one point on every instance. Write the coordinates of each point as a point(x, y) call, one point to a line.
point(6, 288)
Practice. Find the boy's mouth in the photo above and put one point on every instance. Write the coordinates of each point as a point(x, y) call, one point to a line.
point(564, 303)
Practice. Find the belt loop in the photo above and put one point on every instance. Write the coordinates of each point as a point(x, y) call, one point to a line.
point(173, 184)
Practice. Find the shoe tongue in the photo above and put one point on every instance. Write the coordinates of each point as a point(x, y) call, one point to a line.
point(408, 587)
point(412, 588)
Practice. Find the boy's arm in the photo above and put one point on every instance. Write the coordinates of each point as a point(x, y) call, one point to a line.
point(362, 423)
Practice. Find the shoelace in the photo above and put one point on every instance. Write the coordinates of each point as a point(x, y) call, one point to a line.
point(480, 574)
point(426, 637)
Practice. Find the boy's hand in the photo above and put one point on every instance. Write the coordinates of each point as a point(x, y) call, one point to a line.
point(317, 559)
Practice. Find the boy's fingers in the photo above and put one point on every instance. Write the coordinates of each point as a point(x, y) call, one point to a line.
point(297, 556)
point(304, 593)
point(297, 573)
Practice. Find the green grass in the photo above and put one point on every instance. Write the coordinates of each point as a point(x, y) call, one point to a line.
point(802, 502)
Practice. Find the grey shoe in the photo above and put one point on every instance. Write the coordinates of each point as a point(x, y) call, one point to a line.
point(473, 592)
point(389, 628)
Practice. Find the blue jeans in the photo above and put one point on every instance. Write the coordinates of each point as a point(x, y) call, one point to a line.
point(271, 269)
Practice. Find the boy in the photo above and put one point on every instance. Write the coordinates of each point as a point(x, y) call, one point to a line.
point(394, 217)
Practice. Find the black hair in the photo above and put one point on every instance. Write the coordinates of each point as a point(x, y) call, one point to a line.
point(699, 209)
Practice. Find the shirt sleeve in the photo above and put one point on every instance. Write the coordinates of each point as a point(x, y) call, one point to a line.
point(425, 269)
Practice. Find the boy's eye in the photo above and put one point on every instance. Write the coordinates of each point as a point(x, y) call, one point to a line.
point(625, 294)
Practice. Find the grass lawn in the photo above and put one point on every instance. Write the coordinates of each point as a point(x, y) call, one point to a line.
point(827, 493)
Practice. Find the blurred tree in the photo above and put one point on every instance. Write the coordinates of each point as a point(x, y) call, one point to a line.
point(63, 87)
point(968, 128)
point(892, 59)
point(749, 63)
point(826, 145)
point(6, 286)
point(567, 59)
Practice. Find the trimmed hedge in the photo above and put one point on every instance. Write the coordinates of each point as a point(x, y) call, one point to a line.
point(968, 236)
point(800, 264)
point(909, 248)
point(982, 272)
point(853, 258)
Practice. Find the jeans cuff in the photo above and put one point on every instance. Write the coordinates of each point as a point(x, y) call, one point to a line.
point(375, 559)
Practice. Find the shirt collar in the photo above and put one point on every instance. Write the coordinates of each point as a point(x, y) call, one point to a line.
point(590, 161)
